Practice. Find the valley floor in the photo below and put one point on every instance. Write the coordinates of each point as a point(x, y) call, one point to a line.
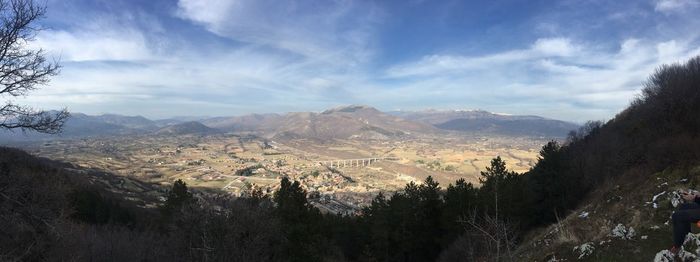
point(239, 163)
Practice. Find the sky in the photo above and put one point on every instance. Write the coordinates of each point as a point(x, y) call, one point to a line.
point(569, 60)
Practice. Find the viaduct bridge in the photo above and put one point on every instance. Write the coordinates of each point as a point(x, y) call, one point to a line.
point(357, 162)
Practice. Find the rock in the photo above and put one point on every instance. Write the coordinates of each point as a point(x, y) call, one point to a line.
point(691, 243)
point(675, 199)
point(653, 199)
point(584, 250)
point(664, 256)
point(623, 232)
point(583, 214)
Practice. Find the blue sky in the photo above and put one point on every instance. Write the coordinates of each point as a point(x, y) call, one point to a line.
point(570, 60)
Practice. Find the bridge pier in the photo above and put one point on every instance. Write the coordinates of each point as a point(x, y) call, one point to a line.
point(358, 162)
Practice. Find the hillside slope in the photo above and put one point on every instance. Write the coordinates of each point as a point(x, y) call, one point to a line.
point(54, 211)
point(511, 127)
point(187, 128)
point(353, 121)
point(252, 122)
point(626, 173)
point(350, 122)
point(484, 122)
point(626, 219)
point(134, 122)
point(82, 125)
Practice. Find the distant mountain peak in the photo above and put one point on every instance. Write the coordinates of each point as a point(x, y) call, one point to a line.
point(349, 109)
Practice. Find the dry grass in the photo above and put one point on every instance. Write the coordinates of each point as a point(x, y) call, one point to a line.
point(623, 200)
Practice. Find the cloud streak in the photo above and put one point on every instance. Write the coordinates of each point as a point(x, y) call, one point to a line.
point(669, 6)
point(323, 31)
point(550, 73)
point(94, 46)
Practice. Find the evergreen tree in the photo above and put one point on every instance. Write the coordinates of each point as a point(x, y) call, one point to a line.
point(491, 180)
point(430, 227)
point(291, 200)
point(376, 221)
point(554, 188)
point(178, 195)
point(460, 201)
point(302, 224)
point(502, 193)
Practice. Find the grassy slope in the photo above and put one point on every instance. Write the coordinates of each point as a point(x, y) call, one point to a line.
point(626, 200)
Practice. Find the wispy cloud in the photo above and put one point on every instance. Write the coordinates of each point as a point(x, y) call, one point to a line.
point(551, 73)
point(129, 57)
point(444, 64)
point(668, 6)
point(321, 31)
point(124, 45)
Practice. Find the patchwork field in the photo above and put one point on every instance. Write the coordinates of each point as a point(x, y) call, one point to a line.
point(240, 163)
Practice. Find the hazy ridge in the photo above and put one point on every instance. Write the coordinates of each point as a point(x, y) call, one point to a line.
point(353, 121)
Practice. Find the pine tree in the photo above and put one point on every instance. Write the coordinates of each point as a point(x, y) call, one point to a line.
point(177, 196)
point(491, 180)
point(460, 202)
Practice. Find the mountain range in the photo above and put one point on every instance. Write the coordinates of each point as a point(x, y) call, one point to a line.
point(342, 122)
point(186, 128)
point(484, 122)
point(353, 121)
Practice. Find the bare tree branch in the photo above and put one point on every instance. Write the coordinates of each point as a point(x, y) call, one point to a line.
point(22, 69)
point(494, 238)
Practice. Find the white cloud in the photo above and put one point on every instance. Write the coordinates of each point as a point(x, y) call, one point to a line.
point(554, 46)
point(437, 64)
point(192, 80)
point(670, 51)
point(230, 81)
point(595, 83)
point(94, 45)
point(327, 30)
point(212, 13)
point(667, 6)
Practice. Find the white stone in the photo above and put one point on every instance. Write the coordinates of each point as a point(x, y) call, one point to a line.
point(664, 256)
point(583, 214)
point(620, 231)
point(584, 250)
point(653, 199)
point(675, 199)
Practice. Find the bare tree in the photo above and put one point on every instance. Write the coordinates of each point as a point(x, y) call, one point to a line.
point(22, 69)
point(485, 238)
